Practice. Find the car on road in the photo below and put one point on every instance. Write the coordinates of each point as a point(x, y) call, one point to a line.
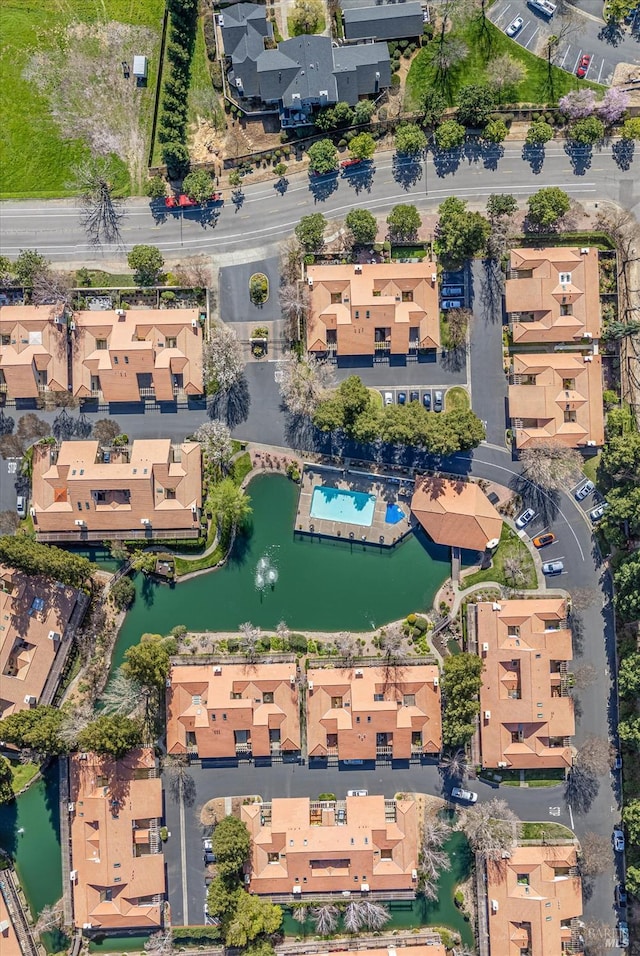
point(426, 400)
point(402, 398)
point(584, 490)
point(451, 304)
point(618, 840)
point(617, 761)
point(357, 793)
point(543, 540)
point(525, 518)
point(452, 290)
point(598, 512)
point(208, 854)
point(623, 933)
point(514, 27)
point(583, 65)
point(437, 402)
point(414, 396)
point(621, 895)
point(348, 163)
point(21, 506)
point(459, 794)
point(552, 567)
point(388, 398)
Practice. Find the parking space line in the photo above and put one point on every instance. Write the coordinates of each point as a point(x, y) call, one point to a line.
point(561, 63)
point(502, 13)
point(575, 65)
point(601, 69)
point(526, 46)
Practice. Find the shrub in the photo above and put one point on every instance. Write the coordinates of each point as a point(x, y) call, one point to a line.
point(411, 619)
point(327, 796)
point(298, 643)
point(123, 593)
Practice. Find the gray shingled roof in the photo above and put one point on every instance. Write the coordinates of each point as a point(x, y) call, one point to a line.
point(389, 22)
point(244, 31)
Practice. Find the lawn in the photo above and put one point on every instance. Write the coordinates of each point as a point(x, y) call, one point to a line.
point(63, 88)
point(23, 773)
point(538, 87)
point(510, 546)
point(545, 831)
point(590, 467)
point(534, 778)
point(456, 399)
point(294, 31)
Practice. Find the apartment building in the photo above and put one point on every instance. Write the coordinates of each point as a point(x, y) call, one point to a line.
point(149, 489)
point(535, 902)
point(35, 614)
point(455, 513)
point(360, 845)
point(117, 866)
point(33, 350)
point(526, 713)
point(374, 713)
point(131, 355)
point(368, 310)
point(229, 711)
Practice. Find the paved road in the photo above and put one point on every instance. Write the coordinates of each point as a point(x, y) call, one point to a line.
point(266, 217)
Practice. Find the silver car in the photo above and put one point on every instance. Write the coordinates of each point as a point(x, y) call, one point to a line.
point(514, 27)
point(553, 567)
point(525, 518)
point(584, 490)
point(598, 512)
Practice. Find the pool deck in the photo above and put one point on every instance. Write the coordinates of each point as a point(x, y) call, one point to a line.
point(386, 489)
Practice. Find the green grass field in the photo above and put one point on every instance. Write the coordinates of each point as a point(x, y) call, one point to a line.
point(510, 546)
point(62, 56)
point(23, 773)
point(538, 87)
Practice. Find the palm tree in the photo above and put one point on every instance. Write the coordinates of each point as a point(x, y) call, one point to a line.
point(249, 640)
point(455, 764)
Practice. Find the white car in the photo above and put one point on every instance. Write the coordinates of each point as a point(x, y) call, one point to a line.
point(461, 794)
point(21, 506)
point(514, 27)
point(357, 793)
point(598, 512)
point(525, 518)
point(451, 304)
point(584, 490)
point(553, 567)
point(388, 398)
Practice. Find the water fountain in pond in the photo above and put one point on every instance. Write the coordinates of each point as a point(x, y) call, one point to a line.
point(266, 573)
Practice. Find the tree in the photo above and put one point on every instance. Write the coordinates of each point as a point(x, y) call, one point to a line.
point(446, 54)
point(495, 131)
point(235, 178)
point(148, 662)
point(176, 158)
point(581, 788)
point(306, 16)
point(594, 854)
point(613, 105)
point(404, 222)
point(617, 10)
point(6, 781)
point(231, 844)
point(492, 828)
point(628, 731)
point(230, 505)
point(198, 185)
point(280, 169)
point(459, 234)
point(550, 464)
point(222, 898)
point(36, 729)
point(156, 187)
point(102, 212)
point(505, 73)
point(626, 579)
point(253, 917)
point(123, 593)
point(52, 287)
point(9, 522)
point(362, 146)
point(303, 383)
point(31, 428)
point(111, 734)
point(249, 640)
point(584, 676)
point(147, 263)
point(323, 157)
point(501, 205)
point(325, 918)
point(28, 266)
point(21, 551)
point(457, 324)
point(461, 682)
point(434, 106)
point(105, 430)
point(622, 519)
point(620, 460)
point(363, 111)
point(587, 131)
point(310, 231)
point(365, 915)
point(578, 103)
point(631, 128)
point(295, 302)
point(475, 104)
point(548, 206)
point(122, 694)
point(450, 135)
point(362, 225)
point(215, 438)
point(629, 676)
point(594, 755)
point(409, 140)
point(633, 880)
point(222, 362)
point(433, 860)
point(631, 818)
point(539, 133)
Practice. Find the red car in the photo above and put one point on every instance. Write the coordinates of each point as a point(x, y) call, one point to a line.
point(350, 162)
point(181, 201)
point(216, 197)
point(583, 65)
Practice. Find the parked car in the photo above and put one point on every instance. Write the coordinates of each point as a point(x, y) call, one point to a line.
point(21, 506)
point(623, 933)
point(618, 840)
point(617, 761)
point(544, 539)
point(451, 304)
point(553, 567)
point(583, 65)
point(584, 490)
point(525, 518)
point(621, 895)
point(414, 396)
point(426, 400)
point(452, 290)
point(348, 163)
point(388, 398)
point(402, 398)
point(437, 402)
point(357, 793)
point(209, 855)
point(461, 794)
point(598, 512)
point(514, 27)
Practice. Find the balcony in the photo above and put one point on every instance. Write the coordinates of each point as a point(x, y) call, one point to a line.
point(384, 750)
point(3, 388)
point(148, 392)
point(192, 750)
point(382, 346)
point(42, 388)
point(243, 750)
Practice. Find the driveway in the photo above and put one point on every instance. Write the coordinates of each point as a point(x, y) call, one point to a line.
point(488, 380)
point(235, 303)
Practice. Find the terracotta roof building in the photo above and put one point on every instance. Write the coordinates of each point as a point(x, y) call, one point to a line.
point(233, 710)
point(33, 350)
point(148, 489)
point(361, 844)
point(117, 867)
point(553, 295)
point(374, 713)
point(125, 356)
point(9, 945)
point(535, 902)
point(526, 713)
point(557, 395)
point(432, 949)
point(455, 513)
point(34, 613)
point(370, 309)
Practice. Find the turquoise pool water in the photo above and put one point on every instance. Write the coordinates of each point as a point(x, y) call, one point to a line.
point(337, 504)
point(394, 514)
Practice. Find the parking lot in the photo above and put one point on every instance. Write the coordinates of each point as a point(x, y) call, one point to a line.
point(433, 399)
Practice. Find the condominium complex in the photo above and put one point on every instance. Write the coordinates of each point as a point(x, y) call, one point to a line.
point(117, 867)
point(301, 847)
point(373, 713)
point(455, 513)
point(527, 718)
point(226, 711)
point(389, 309)
point(149, 489)
point(33, 350)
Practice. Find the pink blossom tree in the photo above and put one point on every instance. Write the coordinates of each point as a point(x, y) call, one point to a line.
point(613, 105)
point(578, 104)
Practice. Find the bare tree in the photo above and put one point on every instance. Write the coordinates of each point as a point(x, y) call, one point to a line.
point(433, 859)
point(392, 644)
point(455, 764)
point(347, 646)
point(52, 288)
point(291, 253)
point(105, 430)
point(505, 72)
point(194, 272)
point(249, 640)
point(513, 567)
point(303, 383)
point(160, 944)
point(222, 360)
point(582, 598)
point(457, 325)
point(594, 854)
point(176, 768)
point(325, 918)
point(122, 695)
point(365, 914)
point(76, 718)
point(295, 303)
point(581, 788)
point(550, 464)
point(282, 630)
point(300, 913)
point(491, 828)
point(31, 428)
point(50, 917)
point(102, 213)
point(9, 522)
point(217, 447)
point(595, 755)
point(584, 676)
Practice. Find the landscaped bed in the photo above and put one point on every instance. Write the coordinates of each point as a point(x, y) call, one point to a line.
point(511, 549)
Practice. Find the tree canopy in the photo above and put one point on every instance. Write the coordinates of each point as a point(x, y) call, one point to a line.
point(539, 133)
point(229, 504)
point(310, 231)
point(198, 185)
point(460, 234)
point(362, 225)
point(548, 206)
point(148, 662)
point(21, 551)
point(410, 140)
point(231, 843)
point(147, 263)
point(36, 729)
point(112, 734)
point(475, 104)
point(362, 146)
point(461, 684)
point(253, 917)
point(323, 157)
point(450, 135)
point(403, 221)
point(626, 578)
point(6, 780)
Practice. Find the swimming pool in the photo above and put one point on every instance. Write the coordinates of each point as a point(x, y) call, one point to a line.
point(394, 514)
point(337, 504)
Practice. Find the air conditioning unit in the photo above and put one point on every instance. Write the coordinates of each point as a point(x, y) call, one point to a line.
point(496, 606)
point(591, 443)
point(485, 648)
point(292, 679)
point(53, 636)
point(435, 682)
point(358, 270)
point(588, 335)
point(120, 313)
point(73, 876)
point(502, 763)
point(72, 326)
point(79, 522)
point(494, 906)
point(414, 875)
point(217, 670)
point(144, 521)
point(247, 879)
point(87, 925)
point(32, 512)
point(194, 323)
point(487, 715)
point(310, 282)
point(71, 807)
point(584, 251)
point(30, 700)
point(588, 358)
point(297, 889)
point(359, 673)
point(434, 278)
point(310, 685)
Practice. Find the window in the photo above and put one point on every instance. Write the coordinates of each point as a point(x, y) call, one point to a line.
point(565, 278)
point(170, 494)
point(267, 697)
point(368, 718)
point(171, 342)
point(378, 697)
point(115, 359)
point(101, 344)
point(273, 857)
point(357, 314)
point(569, 416)
point(386, 854)
point(368, 314)
point(236, 695)
point(336, 703)
point(105, 896)
point(566, 308)
point(407, 296)
point(6, 340)
point(377, 293)
point(224, 716)
point(126, 360)
point(523, 879)
point(513, 630)
point(409, 700)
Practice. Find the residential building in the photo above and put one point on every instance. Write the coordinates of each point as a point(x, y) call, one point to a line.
point(455, 513)
point(433, 948)
point(374, 713)
point(149, 489)
point(117, 867)
point(33, 350)
point(130, 355)
point(526, 712)
point(37, 615)
point(535, 902)
point(556, 396)
point(9, 943)
point(395, 21)
point(361, 845)
point(553, 295)
point(244, 30)
point(389, 309)
point(227, 711)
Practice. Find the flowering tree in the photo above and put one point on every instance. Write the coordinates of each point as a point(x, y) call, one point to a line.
point(578, 103)
point(303, 383)
point(613, 105)
point(222, 360)
point(215, 438)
